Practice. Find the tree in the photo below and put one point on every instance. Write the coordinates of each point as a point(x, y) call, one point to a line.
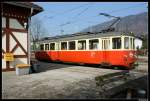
point(37, 31)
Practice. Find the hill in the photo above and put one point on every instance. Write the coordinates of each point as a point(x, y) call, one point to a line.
point(137, 24)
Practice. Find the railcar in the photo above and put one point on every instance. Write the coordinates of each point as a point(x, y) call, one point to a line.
point(106, 49)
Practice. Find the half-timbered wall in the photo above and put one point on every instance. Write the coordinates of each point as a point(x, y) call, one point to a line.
point(14, 36)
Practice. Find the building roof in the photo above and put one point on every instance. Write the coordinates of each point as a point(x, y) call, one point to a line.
point(28, 5)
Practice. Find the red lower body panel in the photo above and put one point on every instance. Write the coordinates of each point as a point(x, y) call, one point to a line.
point(119, 58)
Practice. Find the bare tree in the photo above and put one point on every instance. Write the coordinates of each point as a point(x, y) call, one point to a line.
point(37, 31)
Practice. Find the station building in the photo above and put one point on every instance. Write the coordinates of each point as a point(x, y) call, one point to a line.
point(16, 18)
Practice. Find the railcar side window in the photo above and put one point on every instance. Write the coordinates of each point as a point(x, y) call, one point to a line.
point(63, 45)
point(46, 46)
point(93, 44)
point(52, 46)
point(42, 47)
point(82, 45)
point(116, 43)
point(71, 45)
point(131, 46)
point(126, 42)
point(57, 46)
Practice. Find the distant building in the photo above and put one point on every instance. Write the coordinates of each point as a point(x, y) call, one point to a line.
point(138, 43)
point(34, 47)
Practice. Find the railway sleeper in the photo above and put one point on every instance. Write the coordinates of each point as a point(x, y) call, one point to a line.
point(102, 80)
point(110, 79)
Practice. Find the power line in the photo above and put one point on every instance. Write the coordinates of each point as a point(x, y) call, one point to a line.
point(84, 10)
point(68, 11)
point(77, 15)
point(125, 8)
point(82, 19)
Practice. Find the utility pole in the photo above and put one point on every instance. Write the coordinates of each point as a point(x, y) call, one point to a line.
point(29, 32)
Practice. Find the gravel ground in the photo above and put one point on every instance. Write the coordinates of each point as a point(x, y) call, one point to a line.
point(143, 64)
point(55, 81)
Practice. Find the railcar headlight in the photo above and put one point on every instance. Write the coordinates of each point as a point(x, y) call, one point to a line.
point(131, 55)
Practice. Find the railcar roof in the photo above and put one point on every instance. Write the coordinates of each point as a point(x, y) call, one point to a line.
point(78, 36)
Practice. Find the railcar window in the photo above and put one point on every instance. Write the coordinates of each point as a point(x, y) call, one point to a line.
point(93, 44)
point(82, 45)
point(57, 46)
point(63, 45)
point(46, 46)
point(42, 47)
point(52, 46)
point(131, 43)
point(72, 45)
point(126, 42)
point(116, 43)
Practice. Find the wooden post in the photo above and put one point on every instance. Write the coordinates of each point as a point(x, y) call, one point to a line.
point(129, 93)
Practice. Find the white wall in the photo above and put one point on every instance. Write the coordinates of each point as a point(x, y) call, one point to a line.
point(21, 37)
point(13, 23)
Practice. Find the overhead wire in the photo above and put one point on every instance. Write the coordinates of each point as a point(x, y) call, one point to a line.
point(113, 11)
point(68, 11)
point(77, 14)
point(127, 8)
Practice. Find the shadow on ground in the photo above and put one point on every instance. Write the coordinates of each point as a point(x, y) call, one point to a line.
point(43, 66)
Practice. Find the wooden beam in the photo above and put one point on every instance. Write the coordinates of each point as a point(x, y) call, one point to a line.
point(16, 30)
point(14, 48)
point(8, 69)
point(7, 41)
point(20, 56)
point(19, 30)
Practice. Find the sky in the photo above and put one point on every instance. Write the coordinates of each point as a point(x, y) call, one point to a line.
point(59, 18)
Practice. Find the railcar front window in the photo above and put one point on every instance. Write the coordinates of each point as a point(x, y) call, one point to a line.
point(52, 46)
point(72, 45)
point(126, 43)
point(63, 45)
point(82, 45)
point(131, 46)
point(46, 46)
point(133, 43)
point(93, 44)
point(116, 43)
point(42, 47)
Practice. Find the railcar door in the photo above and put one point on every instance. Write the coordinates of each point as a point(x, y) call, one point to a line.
point(105, 49)
point(57, 49)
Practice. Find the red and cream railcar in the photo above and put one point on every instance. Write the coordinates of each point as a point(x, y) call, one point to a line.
point(111, 48)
